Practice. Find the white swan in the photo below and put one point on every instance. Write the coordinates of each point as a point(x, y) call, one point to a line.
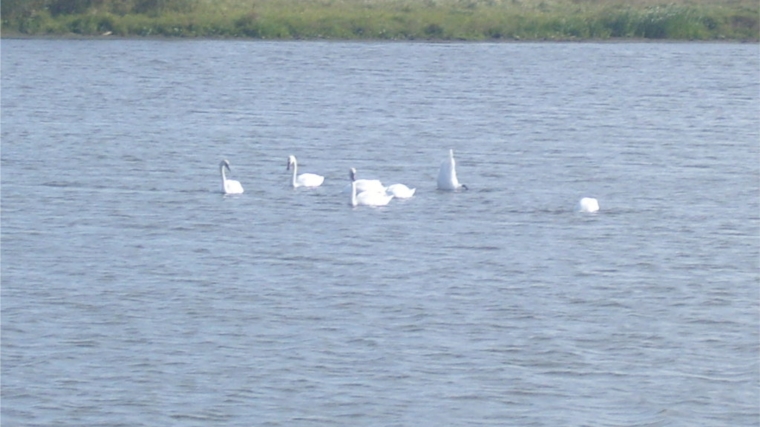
point(367, 198)
point(588, 204)
point(305, 179)
point(400, 191)
point(229, 186)
point(447, 175)
point(362, 185)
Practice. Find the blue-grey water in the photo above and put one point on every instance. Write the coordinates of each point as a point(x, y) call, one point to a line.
point(135, 294)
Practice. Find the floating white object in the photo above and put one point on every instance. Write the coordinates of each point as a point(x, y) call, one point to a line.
point(305, 179)
point(367, 198)
point(447, 175)
point(229, 186)
point(400, 191)
point(588, 204)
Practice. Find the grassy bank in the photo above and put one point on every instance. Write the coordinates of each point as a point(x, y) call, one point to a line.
point(388, 19)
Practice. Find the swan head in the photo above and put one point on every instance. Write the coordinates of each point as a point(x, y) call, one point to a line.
point(291, 162)
point(225, 164)
point(352, 174)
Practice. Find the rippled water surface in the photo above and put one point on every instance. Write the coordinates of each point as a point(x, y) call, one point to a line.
point(134, 293)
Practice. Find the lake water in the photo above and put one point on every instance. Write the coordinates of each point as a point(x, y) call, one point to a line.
point(135, 294)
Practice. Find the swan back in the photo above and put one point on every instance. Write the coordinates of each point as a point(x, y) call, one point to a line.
point(447, 174)
point(362, 185)
point(309, 180)
point(400, 191)
point(588, 204)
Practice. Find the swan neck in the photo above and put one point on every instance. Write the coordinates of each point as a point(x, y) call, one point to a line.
point(353, 193)
point(295, 172)
point(221, 169)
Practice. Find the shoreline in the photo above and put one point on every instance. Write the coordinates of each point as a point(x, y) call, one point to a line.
point(620, 40)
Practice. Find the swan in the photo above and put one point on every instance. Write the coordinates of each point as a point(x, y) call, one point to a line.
point(305, 179)
point(447, 175)
point(588, 204)
point(362, 185)
point(229, 186)
point(367, 198)
point(400, 191)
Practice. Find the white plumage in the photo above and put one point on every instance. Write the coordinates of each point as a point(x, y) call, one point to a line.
point(447, 175)
point(588, 204)
point(362, 185)
point(229, 186)
point(367, 198)
point(305, 179)
point(400, 191)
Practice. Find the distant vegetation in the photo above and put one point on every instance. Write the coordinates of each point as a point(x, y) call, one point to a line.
point(388, 19)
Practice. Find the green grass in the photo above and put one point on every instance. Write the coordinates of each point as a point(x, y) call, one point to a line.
point(388, 19)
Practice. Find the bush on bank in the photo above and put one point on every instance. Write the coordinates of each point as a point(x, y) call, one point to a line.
point(387, 19)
